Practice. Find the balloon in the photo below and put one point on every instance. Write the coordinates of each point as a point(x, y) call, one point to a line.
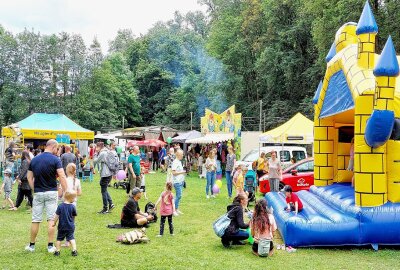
point(215, 189)
point(218, 183)
point(250, 239)
point(121, 175)
point(119, 149)
point(108, 141)
point(169, 140)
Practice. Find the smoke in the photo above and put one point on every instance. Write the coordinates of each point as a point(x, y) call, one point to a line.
point(191, 68)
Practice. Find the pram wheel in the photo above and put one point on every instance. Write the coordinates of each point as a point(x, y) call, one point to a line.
point(116, 185)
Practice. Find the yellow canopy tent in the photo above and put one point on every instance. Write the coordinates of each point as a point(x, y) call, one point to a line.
point(298, 130)
point(44, 126)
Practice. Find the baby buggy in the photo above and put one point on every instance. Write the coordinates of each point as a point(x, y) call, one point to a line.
point(250, 184)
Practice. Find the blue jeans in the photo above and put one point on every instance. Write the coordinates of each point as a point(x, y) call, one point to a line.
point(229, 182)
point(178, 191)
point(210, 182)
point(239, 236)
point(104, 181)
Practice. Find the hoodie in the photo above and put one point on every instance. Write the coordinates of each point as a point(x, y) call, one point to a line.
point(236, 216)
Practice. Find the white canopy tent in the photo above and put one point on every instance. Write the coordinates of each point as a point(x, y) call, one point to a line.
point(212, 138)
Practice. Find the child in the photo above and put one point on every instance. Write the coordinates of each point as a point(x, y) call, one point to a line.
point(239, 184)
point(167, 208)
point(65, 216)
point(7, 188)
point(143, 182)
point(73, 183)
point(292, 200)
point(262, 226)
point(200, 165)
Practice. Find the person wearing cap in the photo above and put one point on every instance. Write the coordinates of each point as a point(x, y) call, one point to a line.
point(131, 216)
point(6, 187)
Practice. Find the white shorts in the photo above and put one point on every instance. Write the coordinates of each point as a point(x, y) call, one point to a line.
point(44, 201)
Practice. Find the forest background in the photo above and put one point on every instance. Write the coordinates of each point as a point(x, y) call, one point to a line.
point(238, 52)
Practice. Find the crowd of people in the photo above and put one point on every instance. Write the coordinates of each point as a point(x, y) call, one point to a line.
point(45, 178)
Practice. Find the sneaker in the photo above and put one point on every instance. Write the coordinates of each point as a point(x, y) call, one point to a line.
point(176, 214)
point(160, 235)
point(226, 244)
point(172, 234)
point(278, 247)
point(74, 253)
point(57, 253)
point(179, 212)
point(30, 248)
point(290, 249)
point(111, 207)
point(208, 197)
point(212, 196)
point(51, 249)
point(103, 211)
point(283, 247)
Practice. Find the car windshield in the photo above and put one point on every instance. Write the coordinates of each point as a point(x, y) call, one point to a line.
point(251, 156)
point(298, 155)
point(306, 164)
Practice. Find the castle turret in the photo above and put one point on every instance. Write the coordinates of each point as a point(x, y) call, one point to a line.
point(366, 32)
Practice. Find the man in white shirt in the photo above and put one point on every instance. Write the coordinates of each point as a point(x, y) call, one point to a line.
point(178, 179)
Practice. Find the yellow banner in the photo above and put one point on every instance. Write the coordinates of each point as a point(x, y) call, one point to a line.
point(49, 134)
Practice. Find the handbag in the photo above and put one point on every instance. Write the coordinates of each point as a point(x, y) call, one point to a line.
point(263, 247)
point(221, 224)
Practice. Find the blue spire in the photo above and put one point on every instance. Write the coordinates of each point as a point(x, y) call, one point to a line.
point(367, 23)
point(331, 53)
point(387, 64)
point(316, 96)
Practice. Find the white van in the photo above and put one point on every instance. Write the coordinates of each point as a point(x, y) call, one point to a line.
point(285, 153)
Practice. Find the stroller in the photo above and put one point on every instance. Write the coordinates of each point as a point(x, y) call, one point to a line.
point(250, 185)
point(121, 183)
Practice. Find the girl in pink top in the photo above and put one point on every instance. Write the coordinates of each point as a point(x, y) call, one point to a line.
point(262, 225)
point(167, 208)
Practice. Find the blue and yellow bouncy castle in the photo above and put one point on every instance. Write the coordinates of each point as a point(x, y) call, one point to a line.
point(357, 100)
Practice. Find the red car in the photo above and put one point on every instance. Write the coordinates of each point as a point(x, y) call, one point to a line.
point(300, 176)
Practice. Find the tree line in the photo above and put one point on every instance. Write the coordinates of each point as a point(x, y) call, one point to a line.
point(238, 52)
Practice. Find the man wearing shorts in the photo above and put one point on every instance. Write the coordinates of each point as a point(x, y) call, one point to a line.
point(42, 177)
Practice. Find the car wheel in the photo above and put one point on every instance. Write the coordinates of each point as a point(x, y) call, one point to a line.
point(281, 185)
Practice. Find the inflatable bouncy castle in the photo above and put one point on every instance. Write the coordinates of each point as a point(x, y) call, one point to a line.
point(357, 101)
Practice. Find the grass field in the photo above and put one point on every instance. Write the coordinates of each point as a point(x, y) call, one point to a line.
point(194, 245)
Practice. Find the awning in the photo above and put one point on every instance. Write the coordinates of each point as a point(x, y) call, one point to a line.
point(298, 130)
point(212, 138)
point(182, 138)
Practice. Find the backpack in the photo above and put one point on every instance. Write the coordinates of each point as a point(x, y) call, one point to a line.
point(263, 247)
point(112, 162)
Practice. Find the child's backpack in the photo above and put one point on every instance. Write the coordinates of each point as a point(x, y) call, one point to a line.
point(263, 247)
point(112, 162)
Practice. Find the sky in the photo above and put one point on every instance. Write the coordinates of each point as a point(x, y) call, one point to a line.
point(90, 18)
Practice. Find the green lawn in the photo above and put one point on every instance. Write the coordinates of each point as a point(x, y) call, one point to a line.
point(194, 245)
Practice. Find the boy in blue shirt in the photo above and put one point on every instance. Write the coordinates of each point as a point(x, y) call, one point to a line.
point(65, 216)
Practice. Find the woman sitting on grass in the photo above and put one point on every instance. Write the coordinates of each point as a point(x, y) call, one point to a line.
point(262, 227)
point(235, 233)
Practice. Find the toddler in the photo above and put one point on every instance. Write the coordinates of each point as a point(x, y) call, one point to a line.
point(73, 183)
point(239, 183)
point(167, 208)
point(6, 187)
point(65, 216)
point(293, 201)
